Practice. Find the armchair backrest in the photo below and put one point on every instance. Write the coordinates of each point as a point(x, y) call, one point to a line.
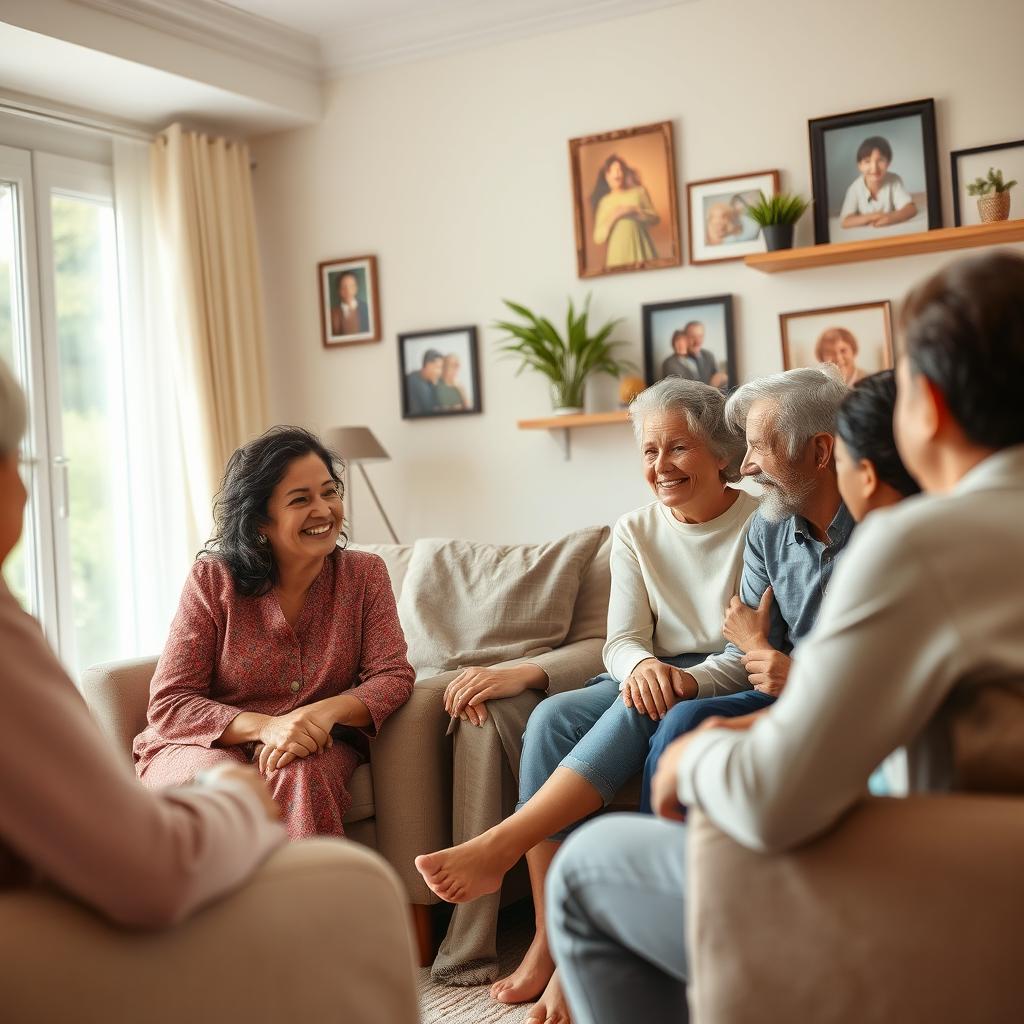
point(117, 693)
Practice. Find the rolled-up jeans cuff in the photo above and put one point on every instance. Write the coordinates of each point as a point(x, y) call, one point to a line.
point(604, 786)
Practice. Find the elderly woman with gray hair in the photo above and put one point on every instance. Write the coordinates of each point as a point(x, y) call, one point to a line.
point(68, 809)
point(675, 564)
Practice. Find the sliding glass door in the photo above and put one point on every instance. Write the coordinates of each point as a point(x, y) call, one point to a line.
point(60, 330)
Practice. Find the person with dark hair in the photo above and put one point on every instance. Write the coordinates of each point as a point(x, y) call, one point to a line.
point(878, 197)
point(286, 650)
point(622, 211)
point(869, 470)
point(351, 315)
point(421, 386)
point(919, 646)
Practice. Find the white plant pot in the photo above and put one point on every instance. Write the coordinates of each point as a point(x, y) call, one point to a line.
point(567, 410)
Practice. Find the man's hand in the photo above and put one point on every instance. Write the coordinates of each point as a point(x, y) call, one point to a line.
point(767, 670)
point(747, 627)
point(653, 687)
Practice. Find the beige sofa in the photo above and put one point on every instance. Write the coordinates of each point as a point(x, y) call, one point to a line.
point(402, 799)
point(908, 911)
point(248, 957)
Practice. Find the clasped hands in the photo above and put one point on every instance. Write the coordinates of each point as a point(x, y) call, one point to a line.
point(304, 731)
point(767, 668)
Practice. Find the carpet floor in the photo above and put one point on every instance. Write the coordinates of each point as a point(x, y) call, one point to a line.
point(447, 1004)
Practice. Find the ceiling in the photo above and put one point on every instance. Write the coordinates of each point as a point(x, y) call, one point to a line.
point(356, 34)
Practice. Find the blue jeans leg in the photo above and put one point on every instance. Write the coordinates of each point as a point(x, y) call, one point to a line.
point(615, 902)
point(591, 732)
point(685, 717)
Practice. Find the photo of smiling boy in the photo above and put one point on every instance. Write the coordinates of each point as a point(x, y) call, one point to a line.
point(877, 197)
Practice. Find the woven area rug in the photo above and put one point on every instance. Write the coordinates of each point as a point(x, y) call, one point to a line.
point(446, 1004)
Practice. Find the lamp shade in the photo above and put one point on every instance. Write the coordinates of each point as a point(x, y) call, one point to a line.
point(356, 444)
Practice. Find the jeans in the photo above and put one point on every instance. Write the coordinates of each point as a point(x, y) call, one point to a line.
point(591, 732)
point(686, 716)
point(615, 903)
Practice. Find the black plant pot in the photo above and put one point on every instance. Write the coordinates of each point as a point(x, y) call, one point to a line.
point(778, 236)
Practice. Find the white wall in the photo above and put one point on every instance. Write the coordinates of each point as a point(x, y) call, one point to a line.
point(455, 173)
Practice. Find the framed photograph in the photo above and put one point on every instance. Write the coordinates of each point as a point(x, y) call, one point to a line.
point(875, 173)
point(857, 339)
point(691, 338)
point(969, 164)
point(349, 302)
point(717, 223)
point(624, 195)
point(440, 373)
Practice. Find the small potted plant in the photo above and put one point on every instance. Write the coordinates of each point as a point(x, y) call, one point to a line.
point(777, 216)
point(993, 196)
point(566, 361)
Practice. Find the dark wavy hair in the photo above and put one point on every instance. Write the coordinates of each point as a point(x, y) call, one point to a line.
point(240, 507)
point(630, 179)
point(864, 422)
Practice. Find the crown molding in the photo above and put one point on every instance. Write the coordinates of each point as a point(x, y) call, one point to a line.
point(435, 33)
point(221, 27)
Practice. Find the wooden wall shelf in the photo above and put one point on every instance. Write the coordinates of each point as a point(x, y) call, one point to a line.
point(565, 423)
point(1000, 233)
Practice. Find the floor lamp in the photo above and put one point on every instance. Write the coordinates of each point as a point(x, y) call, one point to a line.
point(357, 445)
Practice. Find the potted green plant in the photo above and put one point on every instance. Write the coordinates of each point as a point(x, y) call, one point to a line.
point(993, 196)
point(566, 361)
point(777, 216)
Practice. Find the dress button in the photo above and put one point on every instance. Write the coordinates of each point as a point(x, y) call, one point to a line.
point(295, 686)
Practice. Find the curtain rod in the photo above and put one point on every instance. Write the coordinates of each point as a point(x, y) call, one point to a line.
point(66, 119)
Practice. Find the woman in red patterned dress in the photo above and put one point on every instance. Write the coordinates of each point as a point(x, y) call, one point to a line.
point(286, 649)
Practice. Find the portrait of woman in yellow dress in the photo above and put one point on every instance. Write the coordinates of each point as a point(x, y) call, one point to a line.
point(623, 211)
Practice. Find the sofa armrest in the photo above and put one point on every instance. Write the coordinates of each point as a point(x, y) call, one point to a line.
point(412, 783)
point(567, 667)
point(348, 954)
point(908, 910)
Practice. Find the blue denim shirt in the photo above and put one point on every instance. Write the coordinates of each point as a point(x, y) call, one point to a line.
point(787, 557)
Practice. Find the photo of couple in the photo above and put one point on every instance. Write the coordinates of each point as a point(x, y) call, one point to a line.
point(692, 339)
point(440, 376)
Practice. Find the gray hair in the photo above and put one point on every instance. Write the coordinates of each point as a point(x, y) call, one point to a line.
point(806, 402)
point(704, 410)
point(13, 411)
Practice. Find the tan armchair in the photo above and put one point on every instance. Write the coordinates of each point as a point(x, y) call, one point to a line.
point(251, 956)
point(907, 911)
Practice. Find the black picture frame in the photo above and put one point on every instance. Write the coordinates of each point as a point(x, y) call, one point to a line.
point(819, 127)
point(414, 348)
point(659, 326)
point(954, 163)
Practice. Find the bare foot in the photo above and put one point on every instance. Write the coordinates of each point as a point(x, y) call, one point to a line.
point(527, 981)
point(551, 1008)
point(464, 872)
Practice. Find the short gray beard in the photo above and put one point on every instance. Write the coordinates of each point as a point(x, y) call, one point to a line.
point(784, 500)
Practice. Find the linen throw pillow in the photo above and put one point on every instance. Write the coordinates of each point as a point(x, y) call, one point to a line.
point(466, 603)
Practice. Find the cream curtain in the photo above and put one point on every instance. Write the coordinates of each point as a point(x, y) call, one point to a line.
point(202, 190)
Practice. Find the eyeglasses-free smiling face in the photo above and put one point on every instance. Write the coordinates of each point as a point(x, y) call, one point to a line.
point(305, 512)
point(680, 469)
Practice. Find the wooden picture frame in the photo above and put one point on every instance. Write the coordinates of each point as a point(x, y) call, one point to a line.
point(857, 338)
point(965, 206)
point(668, 328)
point(639, 162)
point(836, 174)
point(714, 207)
point(359, 322)
point(441, 391)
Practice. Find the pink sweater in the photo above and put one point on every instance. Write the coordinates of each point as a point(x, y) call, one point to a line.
point(71, 812)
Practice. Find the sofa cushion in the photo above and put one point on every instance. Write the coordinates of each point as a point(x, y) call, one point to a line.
point(396, 558)
point(466, 603)
point(590, 616)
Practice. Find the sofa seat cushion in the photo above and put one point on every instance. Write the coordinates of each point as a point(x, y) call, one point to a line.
point(361, 788)
point(467, 603)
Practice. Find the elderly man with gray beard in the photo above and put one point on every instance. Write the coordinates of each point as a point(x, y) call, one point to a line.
point(801, 527)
